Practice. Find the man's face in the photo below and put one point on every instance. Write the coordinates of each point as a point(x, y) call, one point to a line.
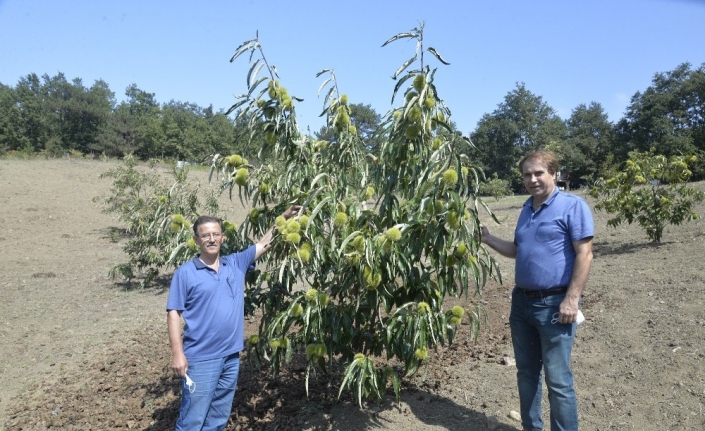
point(538, 182)
point(209, 238)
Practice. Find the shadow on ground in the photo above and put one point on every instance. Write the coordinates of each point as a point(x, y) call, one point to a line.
point(266, 403)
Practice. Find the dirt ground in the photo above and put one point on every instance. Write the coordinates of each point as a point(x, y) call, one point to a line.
point(79, 352)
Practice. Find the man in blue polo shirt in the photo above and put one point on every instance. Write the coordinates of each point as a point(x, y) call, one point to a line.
point(208, 293)
point(553, 251)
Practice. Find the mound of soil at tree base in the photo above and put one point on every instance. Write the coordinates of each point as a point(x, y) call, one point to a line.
point(81, 352)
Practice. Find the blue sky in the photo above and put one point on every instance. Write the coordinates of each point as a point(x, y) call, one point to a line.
point(567, 51)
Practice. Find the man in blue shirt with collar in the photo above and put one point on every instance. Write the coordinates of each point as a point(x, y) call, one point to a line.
point(208, 293)
point(553, 251)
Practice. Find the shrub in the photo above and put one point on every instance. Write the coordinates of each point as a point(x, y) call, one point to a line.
point(157, 215)
point(495, 187)
point(652, 190)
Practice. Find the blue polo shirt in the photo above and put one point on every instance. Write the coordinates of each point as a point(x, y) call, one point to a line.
point(544, 240)
point(212, 305)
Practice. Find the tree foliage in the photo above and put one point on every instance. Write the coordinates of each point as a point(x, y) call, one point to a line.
point(157, 214)
point(366, 121)
point(587, 143)
point(651, 190)
point(669, 116)
point(358, 279)
point(495, 187)
point(523, 122)
point(53, 116)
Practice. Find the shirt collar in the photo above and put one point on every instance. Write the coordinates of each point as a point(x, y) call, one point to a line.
point(200, 265)
point(530, 202)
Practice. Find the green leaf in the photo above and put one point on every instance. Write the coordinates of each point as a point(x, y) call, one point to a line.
point(397, 37)
point(243, 48)
point(252, 73)
point(308, 369)
point(320, 205)
point(349, 375)
point(438, 56)
point(404, 66)
point(254, 87)
point(324, 84)
point(396, 383)
point(319, 177)
point(235, 106)
point(346, 240)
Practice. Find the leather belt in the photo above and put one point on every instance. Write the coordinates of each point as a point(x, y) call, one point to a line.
point(529, 293)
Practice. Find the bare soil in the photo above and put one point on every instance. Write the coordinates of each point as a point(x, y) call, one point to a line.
point(81, 352)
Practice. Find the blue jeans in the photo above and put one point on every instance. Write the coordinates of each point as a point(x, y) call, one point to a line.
point(539, 343)
point(207, 403)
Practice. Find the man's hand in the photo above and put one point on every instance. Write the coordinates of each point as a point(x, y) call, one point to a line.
point(568, 311)
point(179, 365)
point(485, 234)
point(291, 212)
point(264, 243)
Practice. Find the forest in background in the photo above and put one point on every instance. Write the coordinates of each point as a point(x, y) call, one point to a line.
point(52, 116)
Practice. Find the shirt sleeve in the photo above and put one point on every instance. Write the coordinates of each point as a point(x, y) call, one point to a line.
point(244, 260)
point(580, 221)
point(177, 292)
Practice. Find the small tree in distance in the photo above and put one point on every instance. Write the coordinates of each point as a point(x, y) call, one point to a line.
point(358, 280)
point(651, 190)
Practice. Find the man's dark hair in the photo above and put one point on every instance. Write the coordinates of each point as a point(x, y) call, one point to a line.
point(206, 219)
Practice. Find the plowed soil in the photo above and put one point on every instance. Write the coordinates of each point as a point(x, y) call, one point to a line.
point(82, 352)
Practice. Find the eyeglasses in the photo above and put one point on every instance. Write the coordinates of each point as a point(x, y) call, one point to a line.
point(206, 236)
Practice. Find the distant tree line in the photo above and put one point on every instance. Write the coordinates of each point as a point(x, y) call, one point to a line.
point(53, 116)
point(668, 117)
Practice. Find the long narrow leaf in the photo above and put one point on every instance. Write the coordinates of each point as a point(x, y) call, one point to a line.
point(235, 106)
point(254, 70)
point(308, 369)
point(399, 84)
point(349, 374)
point(318, 177)
point(396, 384)
point(176, 251)
point(242, 48)
point(397, 37)
point(346, 240)
point(404, 66)
point(256, 84)
point(323, 85)
point(319, 206)
point(438, 56)
point(213, 167)
point(328, 95)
